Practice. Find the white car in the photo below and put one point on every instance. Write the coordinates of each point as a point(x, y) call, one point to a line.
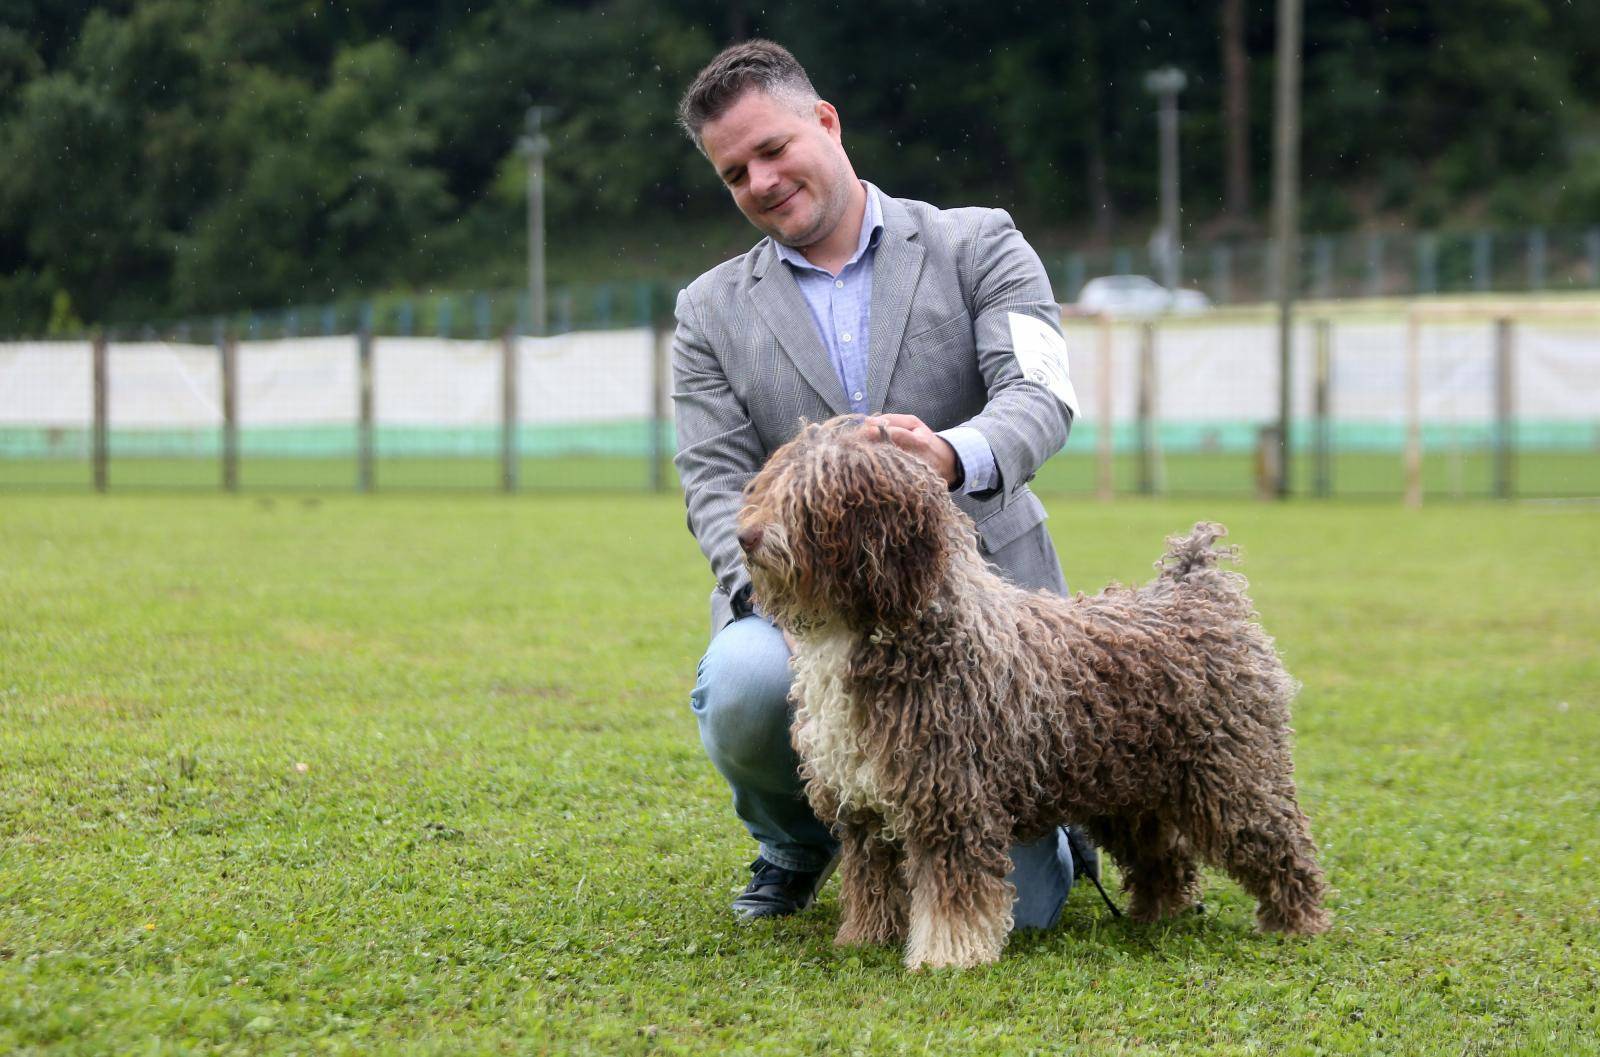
point(1126, 296)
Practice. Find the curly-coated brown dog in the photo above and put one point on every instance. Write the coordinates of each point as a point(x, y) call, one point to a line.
point(943, 714)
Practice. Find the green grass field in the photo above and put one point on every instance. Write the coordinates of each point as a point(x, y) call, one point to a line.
point(417, 775)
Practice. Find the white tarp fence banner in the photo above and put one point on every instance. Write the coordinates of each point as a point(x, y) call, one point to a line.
point(1221, 372)
point(591, 376)
point(163, 386)
point(297, 382)
point(47, 383)
point(1558, 374)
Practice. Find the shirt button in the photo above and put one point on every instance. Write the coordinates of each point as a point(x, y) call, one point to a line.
point(845, 338)
point(838, 284)
point(855, 396)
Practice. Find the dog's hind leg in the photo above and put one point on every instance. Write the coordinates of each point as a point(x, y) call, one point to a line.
point(872, 891)
point(1265, 844)
point(1156, 863)
point(960, 899)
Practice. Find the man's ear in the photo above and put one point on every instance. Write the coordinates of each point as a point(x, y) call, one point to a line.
point(828, 118)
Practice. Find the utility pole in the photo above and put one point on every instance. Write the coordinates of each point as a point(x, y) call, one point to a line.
point(1165, 84)
point(534, 145)
point(1286, 213)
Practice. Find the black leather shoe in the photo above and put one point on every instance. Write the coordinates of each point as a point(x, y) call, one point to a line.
point(774, 892)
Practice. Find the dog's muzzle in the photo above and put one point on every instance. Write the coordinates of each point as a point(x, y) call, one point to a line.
point(750, 538)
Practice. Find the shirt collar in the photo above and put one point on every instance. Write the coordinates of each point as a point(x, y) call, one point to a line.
point(871, 231)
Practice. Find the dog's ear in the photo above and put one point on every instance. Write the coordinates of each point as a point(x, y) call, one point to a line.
point(881, 539)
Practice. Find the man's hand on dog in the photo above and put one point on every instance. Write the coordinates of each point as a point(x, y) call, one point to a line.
point(910, 433)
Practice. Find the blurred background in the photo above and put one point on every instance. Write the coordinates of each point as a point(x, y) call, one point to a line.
point(452, 195)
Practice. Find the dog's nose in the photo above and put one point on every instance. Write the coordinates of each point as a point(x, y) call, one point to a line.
point(750, 538)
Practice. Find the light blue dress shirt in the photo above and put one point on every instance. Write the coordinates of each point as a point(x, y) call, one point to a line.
point(841, 306)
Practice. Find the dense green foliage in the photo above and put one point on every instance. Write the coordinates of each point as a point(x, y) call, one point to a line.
point(417, 776)
point(176, 156)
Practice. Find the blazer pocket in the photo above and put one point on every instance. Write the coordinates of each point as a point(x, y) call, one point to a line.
point(1010, 522)
point(939, 333)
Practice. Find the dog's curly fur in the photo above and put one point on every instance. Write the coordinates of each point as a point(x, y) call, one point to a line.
point(943, 714)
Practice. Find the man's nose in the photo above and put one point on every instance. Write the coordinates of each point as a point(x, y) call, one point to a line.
point(763, 178)
point(750, 538)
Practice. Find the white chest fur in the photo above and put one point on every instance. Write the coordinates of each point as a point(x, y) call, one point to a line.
point(827, 726)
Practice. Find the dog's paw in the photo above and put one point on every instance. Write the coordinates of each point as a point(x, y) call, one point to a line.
point(971, 960)
point(960, 956)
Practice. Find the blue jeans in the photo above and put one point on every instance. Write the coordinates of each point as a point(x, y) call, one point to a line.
point(741, 699)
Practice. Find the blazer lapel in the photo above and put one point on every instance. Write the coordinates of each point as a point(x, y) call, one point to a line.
point(781, 304)
point(896, 267)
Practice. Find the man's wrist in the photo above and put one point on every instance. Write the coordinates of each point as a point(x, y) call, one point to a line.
point(958, 470)
point(974, 458)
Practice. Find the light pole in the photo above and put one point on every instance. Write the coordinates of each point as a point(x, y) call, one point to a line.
point(1285, 213)
point(1165, 84)
point(534, 145)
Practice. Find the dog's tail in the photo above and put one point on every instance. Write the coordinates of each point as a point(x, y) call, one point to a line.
point(1188, 555)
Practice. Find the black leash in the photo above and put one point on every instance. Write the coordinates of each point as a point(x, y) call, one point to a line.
point(1099, 888)
point(1084, 853)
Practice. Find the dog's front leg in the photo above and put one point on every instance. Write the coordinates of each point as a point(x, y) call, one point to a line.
point(871, 889)
point(960, 900)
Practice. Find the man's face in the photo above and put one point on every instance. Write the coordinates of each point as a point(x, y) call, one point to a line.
point(787, 171)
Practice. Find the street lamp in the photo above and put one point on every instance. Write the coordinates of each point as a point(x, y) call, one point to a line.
point(1165, 84)
point(1285, 213)
point(534, 145)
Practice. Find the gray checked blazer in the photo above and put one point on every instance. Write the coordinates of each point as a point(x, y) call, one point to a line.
point(748, 366)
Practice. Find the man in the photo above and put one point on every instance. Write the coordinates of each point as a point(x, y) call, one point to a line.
point(939, 324)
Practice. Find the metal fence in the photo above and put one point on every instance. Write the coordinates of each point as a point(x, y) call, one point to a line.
point(1451, 400)
point(1375, 264)
point(1232, 272)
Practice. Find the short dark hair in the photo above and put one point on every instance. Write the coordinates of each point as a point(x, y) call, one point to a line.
point(753, 64)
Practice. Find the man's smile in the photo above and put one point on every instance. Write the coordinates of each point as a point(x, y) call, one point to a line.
point(781, 202)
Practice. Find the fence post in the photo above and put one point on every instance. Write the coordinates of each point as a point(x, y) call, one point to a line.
point(660, 351)
point(100, 435)
point(229, 349)
point(1270, 455)
point(1505, 484)
point(364, 445)
point(1106, 483)
point(1594, 256)
point(1413, 455)
point(1483, 261)
point(508, 412)
point(1536, 248)
point(1322, 435)
point(1149, 473)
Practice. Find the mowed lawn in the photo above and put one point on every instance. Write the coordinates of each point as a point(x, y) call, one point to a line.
point(418, 775)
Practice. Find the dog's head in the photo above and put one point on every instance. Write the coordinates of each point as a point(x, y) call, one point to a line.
point(841, 526)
